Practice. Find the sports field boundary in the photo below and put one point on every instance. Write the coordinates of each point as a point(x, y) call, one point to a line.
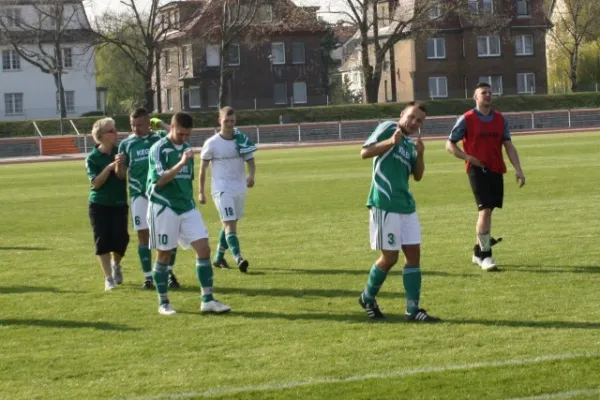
point(275, 146)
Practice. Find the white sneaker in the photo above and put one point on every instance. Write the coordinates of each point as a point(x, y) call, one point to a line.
point(476, 260)
point(109, 284)
point(214, 307)
point(117, 273)
point(166, 309)
point(488, 264)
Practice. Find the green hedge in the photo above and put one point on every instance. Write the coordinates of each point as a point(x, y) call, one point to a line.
point(321, 114)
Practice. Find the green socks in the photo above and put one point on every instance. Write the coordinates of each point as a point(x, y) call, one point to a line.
point(411, 276)
point(161, 277)
point(205, 277)
point(234, 244)
point(222, 246)
point(376, 279)
point(146, 261)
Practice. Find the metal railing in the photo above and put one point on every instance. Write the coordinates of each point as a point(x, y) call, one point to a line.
point(85, 145)
point(41, 139)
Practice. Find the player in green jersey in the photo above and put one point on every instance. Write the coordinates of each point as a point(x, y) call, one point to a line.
point(135, 148)
point(172, 214)
point(394, 224)
point(108, 200)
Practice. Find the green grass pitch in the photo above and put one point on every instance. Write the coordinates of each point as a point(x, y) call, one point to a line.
point(296, 330)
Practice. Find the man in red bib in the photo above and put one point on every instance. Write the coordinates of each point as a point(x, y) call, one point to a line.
point(483, 132)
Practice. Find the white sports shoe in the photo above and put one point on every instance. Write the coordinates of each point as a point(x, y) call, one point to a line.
point(476, 260)
point(109, 284)
point(488, 264)
point(166, 309)
point(214, 307)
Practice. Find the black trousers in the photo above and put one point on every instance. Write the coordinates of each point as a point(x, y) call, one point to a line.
point(487, 186)
point(109, 225)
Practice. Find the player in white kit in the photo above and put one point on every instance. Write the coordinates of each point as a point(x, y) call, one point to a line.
point(227, 152)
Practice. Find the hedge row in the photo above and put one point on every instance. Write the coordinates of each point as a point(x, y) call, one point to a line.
point(322, 114)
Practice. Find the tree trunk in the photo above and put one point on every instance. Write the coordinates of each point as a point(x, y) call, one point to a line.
point(573, 68)
point(158, 107)
point(393, 75)
point(62, 107)
point(222, 76)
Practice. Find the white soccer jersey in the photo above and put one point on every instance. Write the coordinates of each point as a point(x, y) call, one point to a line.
point(228, 170)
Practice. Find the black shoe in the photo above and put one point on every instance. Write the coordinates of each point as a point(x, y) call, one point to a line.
point(243, 265)
point(421, 316)
point(494, 241)
point(148, 285)
point(173, 282)
point(372, 309)
point(222, 263)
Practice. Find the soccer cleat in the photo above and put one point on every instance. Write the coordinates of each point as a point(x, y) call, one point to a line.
point(214, 306)
point(243, 264)
point(109, 284)
point(148, 285)
point(494, 241)
point(173, 282)
point(421, 316)
point(166, 309)
point(488, 264)
point(476, 259)
point(222, 263)
point(372, 309)
point(117, 273)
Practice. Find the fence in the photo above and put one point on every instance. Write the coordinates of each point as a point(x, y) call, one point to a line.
point(334, 131)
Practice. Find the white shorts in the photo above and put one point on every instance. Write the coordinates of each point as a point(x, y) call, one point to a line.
point(230, 206)
point(167, 229)
point(139, 213)
point(390, 231)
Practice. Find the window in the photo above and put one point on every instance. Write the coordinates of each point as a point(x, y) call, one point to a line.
point(10, 60)
point(438, 86)
point(526, 83)
point(524, 45)
point(13, 103)
point(194, 97)
point(169, 99)
point(383, 15)
point(278, 53)
point(435, 11)
point(523, 8)
point(436, 48)
point(298, 56)
point(280, 93)
point(70, 100)
point(184, 57)
point(494, 81)
point(67, 58)
point(265, 14)
point(167, 58)
point(213, 96)
point(487, 6)
point(488, 46)
point(233, 55)
point(213, 55)
point(473, 6)
point(12, 17)
point(300, 93)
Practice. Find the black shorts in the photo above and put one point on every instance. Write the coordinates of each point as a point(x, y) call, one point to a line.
point(488, 188)
point(109, 225)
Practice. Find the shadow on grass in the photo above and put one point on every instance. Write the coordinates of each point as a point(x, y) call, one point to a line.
point(525, 324)
point(285, 292)
point(24, 248)
point(50, 323)
point(364, 272)
point(551, 269)
point(30, 289)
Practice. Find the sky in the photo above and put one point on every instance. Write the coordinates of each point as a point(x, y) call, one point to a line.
point(97, 7)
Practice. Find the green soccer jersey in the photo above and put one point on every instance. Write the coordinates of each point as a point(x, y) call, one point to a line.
point(114, 190)
point(136, 149)
point(391, 172)
point(177, 194)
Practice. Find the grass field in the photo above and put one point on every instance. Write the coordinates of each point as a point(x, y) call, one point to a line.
point(296, 330)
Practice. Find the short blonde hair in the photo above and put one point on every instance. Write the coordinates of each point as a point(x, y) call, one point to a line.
point(101, 127)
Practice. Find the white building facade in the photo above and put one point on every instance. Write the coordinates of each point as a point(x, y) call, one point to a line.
point(25, 91)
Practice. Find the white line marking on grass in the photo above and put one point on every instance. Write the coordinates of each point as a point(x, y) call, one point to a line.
point(562, 395)
point(391, 374)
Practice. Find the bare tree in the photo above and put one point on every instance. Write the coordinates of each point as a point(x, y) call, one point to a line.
point(139, 34)
point(574, 22)
point(379, 33)
point(40, 40)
